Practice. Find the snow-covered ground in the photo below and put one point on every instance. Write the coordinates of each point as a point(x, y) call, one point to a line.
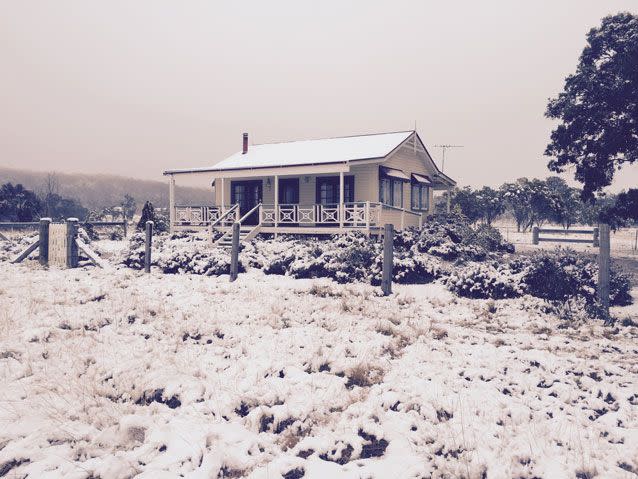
point(116, 374)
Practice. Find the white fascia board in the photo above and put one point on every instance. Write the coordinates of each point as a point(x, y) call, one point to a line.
point(255, 172)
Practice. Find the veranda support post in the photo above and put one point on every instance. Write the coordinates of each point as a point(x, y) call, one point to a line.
point(388, 240)
point(147, 246)
point(71, 244)
point(234, 253)
point(43, 247)
point(603, 267)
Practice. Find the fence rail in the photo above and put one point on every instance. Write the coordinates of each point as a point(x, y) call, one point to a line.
point(22, 225)
point(536, 238)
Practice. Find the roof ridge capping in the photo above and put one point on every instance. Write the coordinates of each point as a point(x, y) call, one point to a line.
point(334, 137)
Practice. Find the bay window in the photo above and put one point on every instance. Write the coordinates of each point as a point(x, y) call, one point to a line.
point(420, 192)
point(391, 183)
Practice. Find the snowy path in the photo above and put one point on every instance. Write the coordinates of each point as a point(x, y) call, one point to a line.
point(116, 374)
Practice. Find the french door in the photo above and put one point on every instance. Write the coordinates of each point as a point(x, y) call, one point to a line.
point(247, 194)
point(328, 197)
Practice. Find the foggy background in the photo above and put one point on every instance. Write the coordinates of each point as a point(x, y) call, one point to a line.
point(134, 88)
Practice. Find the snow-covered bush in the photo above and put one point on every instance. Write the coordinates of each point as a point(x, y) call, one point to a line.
point(490, 280)
point(451, 237)
point(178, 254)
point(133, 256)
point(561, 274)
point(558, 276)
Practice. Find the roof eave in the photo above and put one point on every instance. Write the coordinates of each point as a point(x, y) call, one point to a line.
point(252, 168)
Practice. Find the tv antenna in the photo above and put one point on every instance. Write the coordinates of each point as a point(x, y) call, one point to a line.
point(443, 149)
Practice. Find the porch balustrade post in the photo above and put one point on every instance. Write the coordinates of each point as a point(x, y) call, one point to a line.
point(367, 213)
point(448, 200)
point(223, 196)
point(341, 208)
point(276, 201)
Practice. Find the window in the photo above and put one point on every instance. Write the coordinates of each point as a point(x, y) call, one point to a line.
point(391, 187)
point(420, 196)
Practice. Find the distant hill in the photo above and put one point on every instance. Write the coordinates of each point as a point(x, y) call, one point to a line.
point(101, 191)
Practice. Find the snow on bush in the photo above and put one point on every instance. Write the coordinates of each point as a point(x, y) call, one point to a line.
point(561, 274)
point(450, 237)
point(419, 257)
point(490, 280)
point(556, 276)
point(179, 254)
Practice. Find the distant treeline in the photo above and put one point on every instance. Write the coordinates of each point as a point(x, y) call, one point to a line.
point(536, 202)
point(96, 192)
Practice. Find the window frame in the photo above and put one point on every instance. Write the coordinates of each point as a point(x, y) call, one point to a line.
point(422, 196)
point(395, 186)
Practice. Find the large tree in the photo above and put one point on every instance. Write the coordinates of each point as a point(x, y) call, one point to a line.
point(517, 197)
point(465, 200)
point(598, 109)
point(566, 203)
point(490, 203)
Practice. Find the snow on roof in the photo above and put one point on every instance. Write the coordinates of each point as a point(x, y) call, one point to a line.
point(312, 152)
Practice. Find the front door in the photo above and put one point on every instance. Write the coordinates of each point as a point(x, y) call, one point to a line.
point(288, 199)
point(247, 194)
point(289, 191)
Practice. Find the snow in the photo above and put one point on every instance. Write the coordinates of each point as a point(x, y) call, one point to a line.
point(118, 374)
point(312, 152)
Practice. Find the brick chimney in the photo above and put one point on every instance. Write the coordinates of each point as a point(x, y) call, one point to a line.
point(244, 149)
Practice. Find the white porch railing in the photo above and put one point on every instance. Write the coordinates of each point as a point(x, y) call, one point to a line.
point(362, 214)
point(198, 215)
point(353, 215)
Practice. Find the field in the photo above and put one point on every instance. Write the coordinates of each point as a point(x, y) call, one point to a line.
point(116, 374)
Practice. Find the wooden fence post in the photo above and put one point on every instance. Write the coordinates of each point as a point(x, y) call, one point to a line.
point(596, 240)
point(603, 267)
point(147, 246)
point(535, 235)
point(71, 245)
point(43, 247)
point(234, 253)
point(125, 226)
point(388, 243)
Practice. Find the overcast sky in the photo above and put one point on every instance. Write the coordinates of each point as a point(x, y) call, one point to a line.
point(133, 88)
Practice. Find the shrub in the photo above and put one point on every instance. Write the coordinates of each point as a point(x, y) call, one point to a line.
point(561, 274)
point(89, 229)
point(451, 237)
point(491, 280)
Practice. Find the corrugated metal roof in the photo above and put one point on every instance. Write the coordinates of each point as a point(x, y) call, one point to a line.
point(312, 152)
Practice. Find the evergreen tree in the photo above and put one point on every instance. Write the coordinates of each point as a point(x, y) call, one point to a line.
point(148, 214)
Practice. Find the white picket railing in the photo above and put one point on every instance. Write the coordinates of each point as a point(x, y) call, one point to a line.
point(197, 215)
point(353, 215)
point(361, 214)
